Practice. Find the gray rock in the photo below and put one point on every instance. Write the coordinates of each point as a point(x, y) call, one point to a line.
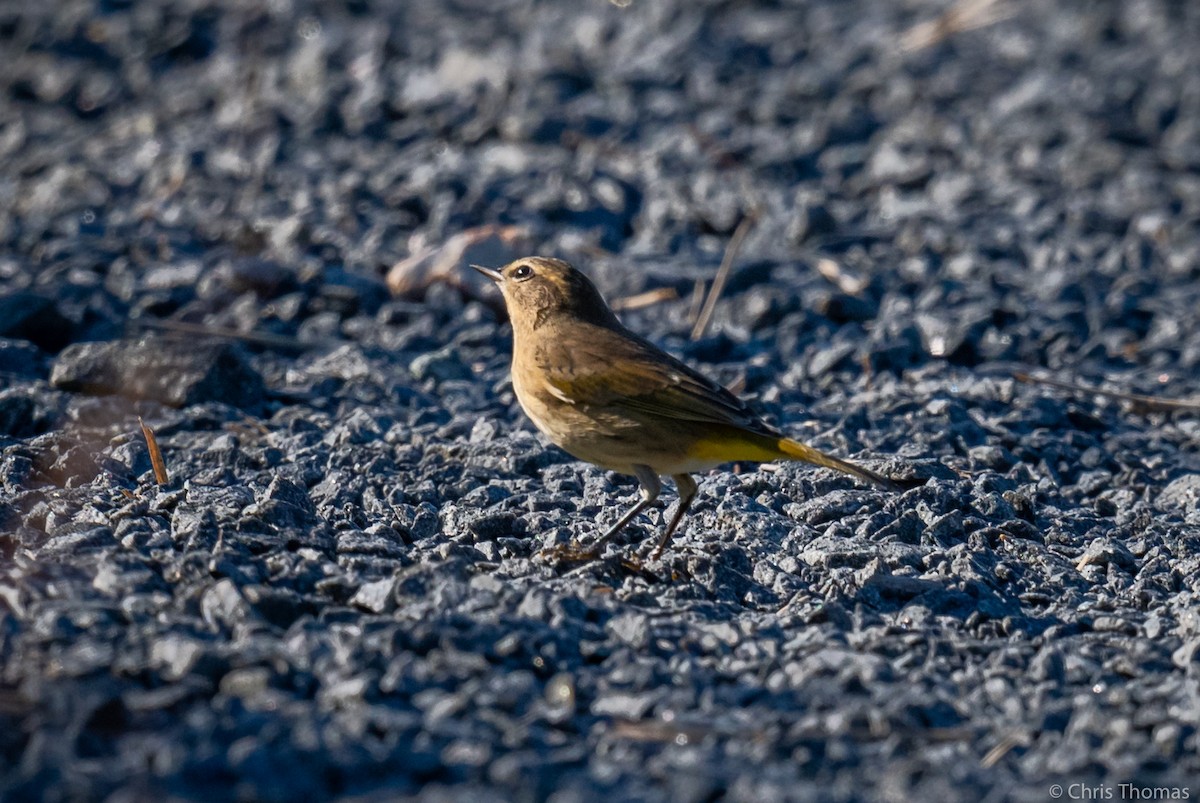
point(375, 596)
point(175, 373)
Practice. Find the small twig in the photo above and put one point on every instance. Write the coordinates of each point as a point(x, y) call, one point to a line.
point(1146, 403)
point(1003, 748)
point(156, 458)
point(259, 338)
point(696, 301)
point(737, 385)
point(965, 15)
point(658, 731)
point(714, 292)
point(646, 299)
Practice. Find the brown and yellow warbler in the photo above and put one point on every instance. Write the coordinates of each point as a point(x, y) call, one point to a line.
point(612, 398)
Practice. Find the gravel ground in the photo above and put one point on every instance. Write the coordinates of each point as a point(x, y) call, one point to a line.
point(339, 591)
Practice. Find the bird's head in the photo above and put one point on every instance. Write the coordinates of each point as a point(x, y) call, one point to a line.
point(537, 290)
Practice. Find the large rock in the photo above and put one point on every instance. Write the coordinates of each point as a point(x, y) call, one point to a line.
point(173, 372)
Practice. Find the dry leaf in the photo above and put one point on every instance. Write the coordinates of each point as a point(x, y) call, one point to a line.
point(491, 245)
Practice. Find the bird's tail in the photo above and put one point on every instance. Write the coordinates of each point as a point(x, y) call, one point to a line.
point(795, 450)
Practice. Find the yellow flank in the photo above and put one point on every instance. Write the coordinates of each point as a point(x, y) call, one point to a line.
point(733, 445)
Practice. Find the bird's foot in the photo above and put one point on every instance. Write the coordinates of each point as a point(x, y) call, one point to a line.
point(633, 564)
point(573, 552)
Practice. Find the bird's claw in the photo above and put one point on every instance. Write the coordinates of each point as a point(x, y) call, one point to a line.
point(570, 553)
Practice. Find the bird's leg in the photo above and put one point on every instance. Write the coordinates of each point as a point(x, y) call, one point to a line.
point(651, 488)
point(687, 493)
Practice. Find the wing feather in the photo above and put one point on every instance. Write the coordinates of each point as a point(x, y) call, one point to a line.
point(621, 371)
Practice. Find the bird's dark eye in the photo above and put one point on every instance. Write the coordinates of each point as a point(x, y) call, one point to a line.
point(522, 272)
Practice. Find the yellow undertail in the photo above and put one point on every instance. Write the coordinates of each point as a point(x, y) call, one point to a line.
point(795, 450)
point(737, 445)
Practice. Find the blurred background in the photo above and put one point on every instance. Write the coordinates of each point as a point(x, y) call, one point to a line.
point(980, 180)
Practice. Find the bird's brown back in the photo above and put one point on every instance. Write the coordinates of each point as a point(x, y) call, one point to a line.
point(602, 365)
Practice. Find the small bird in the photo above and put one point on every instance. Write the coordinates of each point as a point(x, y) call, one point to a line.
point(609, 397)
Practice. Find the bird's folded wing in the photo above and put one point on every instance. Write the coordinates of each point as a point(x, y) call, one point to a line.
point(633, 375)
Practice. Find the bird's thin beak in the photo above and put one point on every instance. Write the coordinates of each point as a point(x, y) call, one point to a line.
point(491, 273)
